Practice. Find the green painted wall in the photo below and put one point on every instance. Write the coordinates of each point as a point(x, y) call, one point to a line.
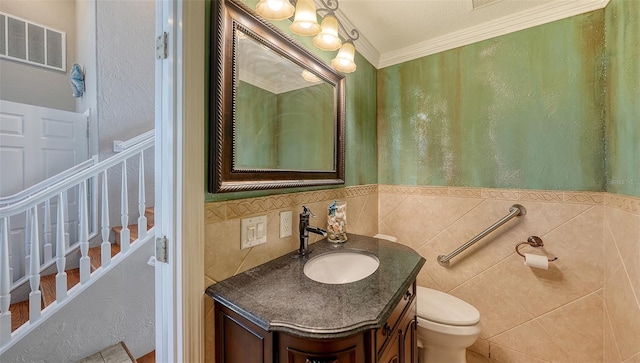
point(279, 142)
point(258, 139)
point(306, 142)
point(524, 110)
point(623, 97)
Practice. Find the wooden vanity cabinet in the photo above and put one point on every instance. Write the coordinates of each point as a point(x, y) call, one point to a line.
point(238, 340)
point(396, 341)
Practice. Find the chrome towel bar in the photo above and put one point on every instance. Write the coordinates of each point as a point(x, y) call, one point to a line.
point(514, 210)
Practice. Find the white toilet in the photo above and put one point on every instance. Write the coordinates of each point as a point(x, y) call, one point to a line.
point(446, 324)
point(446, 327)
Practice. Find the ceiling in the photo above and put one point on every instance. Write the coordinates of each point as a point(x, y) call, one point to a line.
point(395, 31)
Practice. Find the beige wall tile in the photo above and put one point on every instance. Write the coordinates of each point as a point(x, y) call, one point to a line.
point(387, 203)
point(509, 194)
point(362, 215)
point(552, 196)
point(412, 223)
point(480, 346)
point(579, 328)
point(625, 228)
point(632, 265)
point(612, 259)
point(447, 210)
point(624, 313)
point(634, 359)
point(576, 273)
point(222, 253)
point(499, 311)
point(531, 339)
point(611, 353)
point(461, 269)
point(500, 354)
point(473, 357)
point(425, 280)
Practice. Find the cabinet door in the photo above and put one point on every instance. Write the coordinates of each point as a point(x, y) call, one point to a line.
point(239, 340)
point(409, 337)
point(391, 352)
point(299, 350)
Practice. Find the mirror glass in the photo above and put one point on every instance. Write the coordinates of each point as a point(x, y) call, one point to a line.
point(283, 117)
point(277, 111)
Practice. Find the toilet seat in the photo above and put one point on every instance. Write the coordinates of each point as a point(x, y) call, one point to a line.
point(442, 308)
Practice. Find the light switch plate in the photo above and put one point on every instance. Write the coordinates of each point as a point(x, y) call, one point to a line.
point(253, 231)
point(285, 223)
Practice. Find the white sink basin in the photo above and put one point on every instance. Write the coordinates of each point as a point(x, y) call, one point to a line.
point(341, 267)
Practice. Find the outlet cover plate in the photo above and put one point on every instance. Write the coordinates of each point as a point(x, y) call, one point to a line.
point(286, 223)
point(253, 231)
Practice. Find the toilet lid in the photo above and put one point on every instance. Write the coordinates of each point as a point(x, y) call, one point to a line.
point(443, 308)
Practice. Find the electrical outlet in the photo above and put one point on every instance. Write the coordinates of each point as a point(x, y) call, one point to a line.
point(285, 223)
point(253, 231)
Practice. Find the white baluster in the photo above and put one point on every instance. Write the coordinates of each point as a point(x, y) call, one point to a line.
point(5, 283)
point(125, 234)
point(65, 195)
point(48, 247)
point(85, 263)
point(61, 259)
point(35, 296)
point(27, 242)
point(142, 219)
point(105, 249)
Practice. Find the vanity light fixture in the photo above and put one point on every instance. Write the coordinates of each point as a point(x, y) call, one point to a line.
point(305, 23)
point(310, 77)
point(344, 61)
point(275, 9)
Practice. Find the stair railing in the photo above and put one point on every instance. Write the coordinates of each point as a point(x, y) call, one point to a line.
point(58, 194)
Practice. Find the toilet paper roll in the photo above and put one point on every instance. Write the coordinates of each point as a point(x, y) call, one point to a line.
point(536, 261)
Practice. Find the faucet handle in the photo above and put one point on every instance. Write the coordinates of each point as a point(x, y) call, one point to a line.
point(307, 212)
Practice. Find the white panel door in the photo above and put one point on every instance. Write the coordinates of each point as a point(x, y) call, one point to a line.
point(38, 142)
point(35, 144)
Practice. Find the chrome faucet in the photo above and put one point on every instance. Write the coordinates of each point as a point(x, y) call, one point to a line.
point(305, 228)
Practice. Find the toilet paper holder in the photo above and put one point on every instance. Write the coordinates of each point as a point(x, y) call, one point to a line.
point(533, 241)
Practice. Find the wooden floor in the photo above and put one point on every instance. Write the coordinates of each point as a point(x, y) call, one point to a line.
point(147, 358)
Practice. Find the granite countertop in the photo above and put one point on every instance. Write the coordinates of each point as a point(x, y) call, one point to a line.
point(277, 296)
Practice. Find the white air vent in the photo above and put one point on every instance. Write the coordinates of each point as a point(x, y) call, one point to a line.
point(481, 3)
point(32, 43)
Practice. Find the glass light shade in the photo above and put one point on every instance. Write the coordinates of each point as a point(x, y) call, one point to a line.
point(328, 38)
point(344, 61)
point(310, 77)
point(275, 9)
point(306, 21)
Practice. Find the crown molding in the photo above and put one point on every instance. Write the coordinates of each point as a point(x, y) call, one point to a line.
point(363, 46)
point(538, 15)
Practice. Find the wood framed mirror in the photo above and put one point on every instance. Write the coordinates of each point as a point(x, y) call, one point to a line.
point(277, 111)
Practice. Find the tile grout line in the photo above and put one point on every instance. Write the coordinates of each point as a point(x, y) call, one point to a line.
point(615, 340)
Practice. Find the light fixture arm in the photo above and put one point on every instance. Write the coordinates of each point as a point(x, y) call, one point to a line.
point(329, 7)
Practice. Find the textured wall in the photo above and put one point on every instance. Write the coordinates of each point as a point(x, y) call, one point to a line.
point(623, 93)
point(126, 83)
point(523, 110)
point(34, 85)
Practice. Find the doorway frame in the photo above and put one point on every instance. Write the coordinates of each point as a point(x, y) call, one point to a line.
point(180, 167)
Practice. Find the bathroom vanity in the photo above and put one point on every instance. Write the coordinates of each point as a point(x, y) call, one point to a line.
point(275, 313)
